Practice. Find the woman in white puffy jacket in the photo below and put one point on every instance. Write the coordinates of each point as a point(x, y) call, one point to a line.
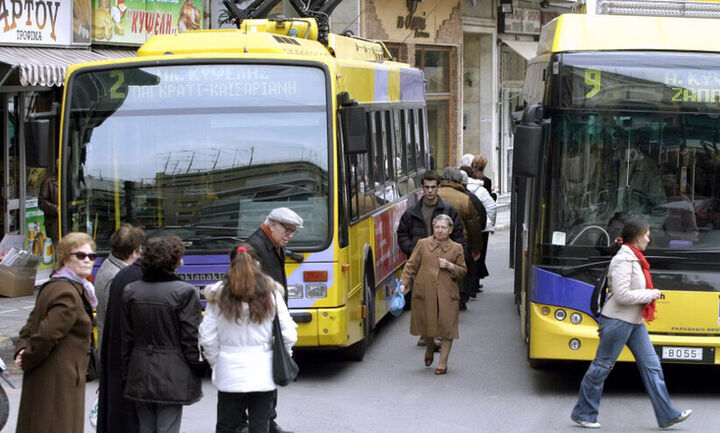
point(236, 335)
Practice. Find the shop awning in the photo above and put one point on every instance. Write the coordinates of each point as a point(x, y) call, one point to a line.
point(47, 66)
point(527, 49)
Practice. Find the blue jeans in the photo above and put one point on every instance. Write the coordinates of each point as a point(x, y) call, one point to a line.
point(614, 335)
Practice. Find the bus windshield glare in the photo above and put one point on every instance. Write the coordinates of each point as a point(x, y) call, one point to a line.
point(634, 140)
point(201, 151)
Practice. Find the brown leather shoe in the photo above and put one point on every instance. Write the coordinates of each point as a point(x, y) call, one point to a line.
point(441, 370)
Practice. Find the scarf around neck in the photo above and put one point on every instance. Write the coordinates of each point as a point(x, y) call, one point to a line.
point(68, 273)
point(648, 311)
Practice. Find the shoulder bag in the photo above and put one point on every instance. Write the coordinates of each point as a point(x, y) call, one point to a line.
point(284, 368)
point(599, 294)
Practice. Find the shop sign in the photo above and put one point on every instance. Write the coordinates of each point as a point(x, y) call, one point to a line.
point(413, 22)
point(523, 21)
point(45, 22)
point(132, 22)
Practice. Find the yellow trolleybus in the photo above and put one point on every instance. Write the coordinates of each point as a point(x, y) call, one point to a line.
point(621, 118)
point(204, 132)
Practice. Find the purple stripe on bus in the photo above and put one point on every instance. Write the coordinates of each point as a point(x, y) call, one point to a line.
point(553, 289)
point(412, 87)
point(382, 76)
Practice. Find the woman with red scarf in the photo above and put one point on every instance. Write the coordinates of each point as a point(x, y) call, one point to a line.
point(631, 302)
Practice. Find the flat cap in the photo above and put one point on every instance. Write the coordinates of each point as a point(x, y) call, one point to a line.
point(286, 216)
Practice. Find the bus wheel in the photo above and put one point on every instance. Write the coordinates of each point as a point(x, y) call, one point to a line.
point(357, 351)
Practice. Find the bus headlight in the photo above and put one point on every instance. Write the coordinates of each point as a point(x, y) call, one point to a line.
point(560, 314)
point(295, 291)
point(575, 318)
point(574, 344)
point(316, 290)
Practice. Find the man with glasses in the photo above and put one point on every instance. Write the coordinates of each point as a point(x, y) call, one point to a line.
point(416, 222)
point(269, 242)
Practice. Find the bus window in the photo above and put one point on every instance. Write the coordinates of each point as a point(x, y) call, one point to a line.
point(407, 140)
point(422, 158)
point(377, 148)
point(400, 154)
point(417, 140)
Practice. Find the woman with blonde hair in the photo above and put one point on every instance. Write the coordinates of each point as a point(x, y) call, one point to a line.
point(54, 343)
point(236, 336)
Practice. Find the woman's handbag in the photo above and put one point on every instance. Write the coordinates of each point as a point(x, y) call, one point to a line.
point(599, 294)
point(284, 368)
point(93, 370)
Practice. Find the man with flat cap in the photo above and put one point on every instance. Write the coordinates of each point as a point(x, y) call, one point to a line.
point(269, 242)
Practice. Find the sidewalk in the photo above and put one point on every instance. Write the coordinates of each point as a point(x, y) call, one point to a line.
point(13, 315)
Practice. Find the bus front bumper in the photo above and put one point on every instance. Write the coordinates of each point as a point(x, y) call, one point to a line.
point(321, 327)
point(555, 339)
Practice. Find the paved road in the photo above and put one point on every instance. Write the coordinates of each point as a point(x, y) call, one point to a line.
point(489, 387)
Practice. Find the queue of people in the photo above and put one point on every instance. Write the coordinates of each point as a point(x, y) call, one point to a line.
point(157, 345)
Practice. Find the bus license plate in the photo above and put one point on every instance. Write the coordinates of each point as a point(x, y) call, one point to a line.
point(682, 353)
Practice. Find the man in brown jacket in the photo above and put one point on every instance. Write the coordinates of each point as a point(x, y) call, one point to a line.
point(452, 191)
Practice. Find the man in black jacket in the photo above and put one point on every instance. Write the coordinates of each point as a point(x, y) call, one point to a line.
point(416, 222)
point(269, 242)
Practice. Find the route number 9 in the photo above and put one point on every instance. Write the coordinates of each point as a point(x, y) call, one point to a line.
point(593, 78)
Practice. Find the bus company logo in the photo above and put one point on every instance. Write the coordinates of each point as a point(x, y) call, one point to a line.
point(202, 276)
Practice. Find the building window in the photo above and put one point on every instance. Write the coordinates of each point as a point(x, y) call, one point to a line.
point(435, 62)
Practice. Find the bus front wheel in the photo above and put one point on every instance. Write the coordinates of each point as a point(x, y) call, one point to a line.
point(357, 351)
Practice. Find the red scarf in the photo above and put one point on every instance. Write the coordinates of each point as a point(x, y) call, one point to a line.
point(648, 311)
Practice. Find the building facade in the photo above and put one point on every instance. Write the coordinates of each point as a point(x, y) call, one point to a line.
point(474, 54)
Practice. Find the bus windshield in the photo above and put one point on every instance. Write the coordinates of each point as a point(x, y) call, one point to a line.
point(663, 167)
point(201, 151)
point(635, 134)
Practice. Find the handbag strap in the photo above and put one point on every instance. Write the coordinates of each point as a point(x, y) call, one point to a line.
point(277, 331)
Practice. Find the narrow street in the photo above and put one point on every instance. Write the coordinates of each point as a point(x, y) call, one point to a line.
point(488, 388)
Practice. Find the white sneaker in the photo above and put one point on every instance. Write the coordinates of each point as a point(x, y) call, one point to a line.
point(682, 417)
point(588, 424)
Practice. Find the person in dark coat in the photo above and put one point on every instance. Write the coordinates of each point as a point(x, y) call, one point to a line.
point(53, 346)
point(269, 242)
point(161, 360)
point(47, 202)
point(116, 414)
point(416, 222)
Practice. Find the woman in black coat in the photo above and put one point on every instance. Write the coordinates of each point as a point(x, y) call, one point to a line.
point(161, 362)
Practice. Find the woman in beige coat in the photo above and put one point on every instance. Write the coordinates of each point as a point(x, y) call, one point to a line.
point(53, 346)
point(435, 266)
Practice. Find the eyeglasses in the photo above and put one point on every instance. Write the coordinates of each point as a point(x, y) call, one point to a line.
point(81, 255)
point(290, 229)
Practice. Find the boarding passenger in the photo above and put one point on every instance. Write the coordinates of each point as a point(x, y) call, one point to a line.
point(160, 353)
point(236, 336)
point(473, 223)
point(269, 242)
point(125, 248)
point(55, 341)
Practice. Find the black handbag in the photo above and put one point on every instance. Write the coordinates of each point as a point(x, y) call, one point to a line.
point(284, 368)
point(93, 370)
point(599, 294)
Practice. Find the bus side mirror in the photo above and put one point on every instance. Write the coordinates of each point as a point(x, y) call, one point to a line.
point(354, 129)
point(527, 145)
point(37, 143)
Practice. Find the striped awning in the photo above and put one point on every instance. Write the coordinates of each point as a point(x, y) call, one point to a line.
point(47, 66)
